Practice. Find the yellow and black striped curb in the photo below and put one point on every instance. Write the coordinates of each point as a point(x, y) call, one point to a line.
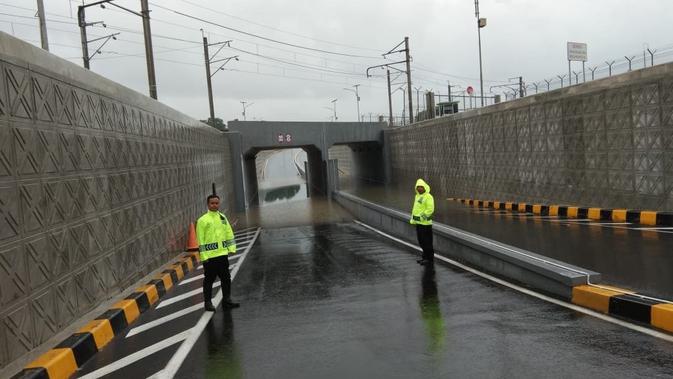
point(652, 218)
point(625, 304)
point(62, 361)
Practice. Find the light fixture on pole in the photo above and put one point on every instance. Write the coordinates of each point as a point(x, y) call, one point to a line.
point(481, 23)
point(357, 97)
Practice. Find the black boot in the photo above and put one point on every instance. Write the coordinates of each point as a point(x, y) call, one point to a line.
point(208, 306)
point(230, 305)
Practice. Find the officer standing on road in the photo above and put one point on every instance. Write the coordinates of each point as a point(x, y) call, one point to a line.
point(421, 216)
point(216, 242)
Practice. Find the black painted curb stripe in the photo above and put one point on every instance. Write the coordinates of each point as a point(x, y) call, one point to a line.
point(633, 216)
point(83, 345)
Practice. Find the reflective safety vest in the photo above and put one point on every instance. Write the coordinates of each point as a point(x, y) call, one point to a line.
point(215, 236)
point(424, 205)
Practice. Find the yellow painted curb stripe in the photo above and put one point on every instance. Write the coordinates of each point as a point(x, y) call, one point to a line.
point(522, 207)
point(130, 308)
point(648, 218)
point(594, 298)
point(594, 213)
point(619, 215)
point(178, 271)
point(508, 206)
point(101, 330)
point(553, 210)
point(190, 265)
point(573, 211)
point(168, 282)
point(662, 316)
point(537, 209)
point(60, 363)
point(151, 292)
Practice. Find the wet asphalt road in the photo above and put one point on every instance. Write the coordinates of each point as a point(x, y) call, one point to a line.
point(335, 301)
point(627, 258)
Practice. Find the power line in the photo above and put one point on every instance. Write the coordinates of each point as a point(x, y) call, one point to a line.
point(296, 64)
point(276, 29)
point(262, 37)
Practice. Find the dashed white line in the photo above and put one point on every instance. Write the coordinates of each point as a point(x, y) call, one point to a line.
point(177, 299)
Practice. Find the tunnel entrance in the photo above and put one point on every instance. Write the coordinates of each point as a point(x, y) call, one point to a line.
point(281, 175)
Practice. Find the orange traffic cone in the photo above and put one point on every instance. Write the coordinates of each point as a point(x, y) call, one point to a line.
point(192, 244)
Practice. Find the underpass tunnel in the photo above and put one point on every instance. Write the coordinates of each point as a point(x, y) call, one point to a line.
point(291, 173)
point(358, 163)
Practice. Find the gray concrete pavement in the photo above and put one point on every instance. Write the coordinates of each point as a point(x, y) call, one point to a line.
point(338, 301)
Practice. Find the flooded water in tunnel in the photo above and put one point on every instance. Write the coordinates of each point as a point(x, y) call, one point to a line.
point(281, 176)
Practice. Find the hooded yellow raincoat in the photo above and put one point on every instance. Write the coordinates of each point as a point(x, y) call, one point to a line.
point(424, 205)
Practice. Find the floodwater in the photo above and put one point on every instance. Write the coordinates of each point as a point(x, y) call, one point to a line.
point(640, 260)
point(281, 177)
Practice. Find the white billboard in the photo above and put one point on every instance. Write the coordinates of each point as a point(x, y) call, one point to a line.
point(577, 52)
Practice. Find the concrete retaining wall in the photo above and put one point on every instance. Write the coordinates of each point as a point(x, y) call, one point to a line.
point(97, 186)
point(521, 266)
point(607, 143)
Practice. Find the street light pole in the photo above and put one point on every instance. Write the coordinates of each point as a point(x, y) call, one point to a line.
point(357, 97)
point(390, 101)
point(480, 24)
point(334, 106)
point(245, 107)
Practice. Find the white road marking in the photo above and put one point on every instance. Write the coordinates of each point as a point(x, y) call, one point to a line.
point(160, 321)
point(608, 223)
point(654, 228)
point(572, 220)
point(179, 357)
point(138, 355)
point(637, 328)
point(179, 298)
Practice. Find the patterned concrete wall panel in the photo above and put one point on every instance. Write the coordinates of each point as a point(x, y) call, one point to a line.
point(18, 325)
point(570, 146)
point(10, 221)
point(96, 189)
point(45, 309)
point(14, 284)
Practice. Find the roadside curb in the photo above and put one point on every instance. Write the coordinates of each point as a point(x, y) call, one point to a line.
point(652, 218)
point(626, 305)
point(62, 361)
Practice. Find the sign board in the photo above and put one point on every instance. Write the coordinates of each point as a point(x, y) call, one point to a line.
point(288, 138)
point(577, 52)
point(470, 90)
point(281, 138)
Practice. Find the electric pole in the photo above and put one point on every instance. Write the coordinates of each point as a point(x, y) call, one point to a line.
point(208, 77)
point(81, 21)
point(245, 107)
point(357, 97)
point(408, 56)
point(149, 55)
point(390, 102)
point(43, 25)
point(521, 90)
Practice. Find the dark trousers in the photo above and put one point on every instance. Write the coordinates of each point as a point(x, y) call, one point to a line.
point(212, 268)
point(424, 234)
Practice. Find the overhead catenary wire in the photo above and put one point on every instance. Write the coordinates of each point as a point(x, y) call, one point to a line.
point(263, 37)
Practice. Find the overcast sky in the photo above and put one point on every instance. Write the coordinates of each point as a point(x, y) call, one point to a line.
point(523, 37)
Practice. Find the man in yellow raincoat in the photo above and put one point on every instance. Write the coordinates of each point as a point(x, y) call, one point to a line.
point(421, 216)
point(216, 242)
